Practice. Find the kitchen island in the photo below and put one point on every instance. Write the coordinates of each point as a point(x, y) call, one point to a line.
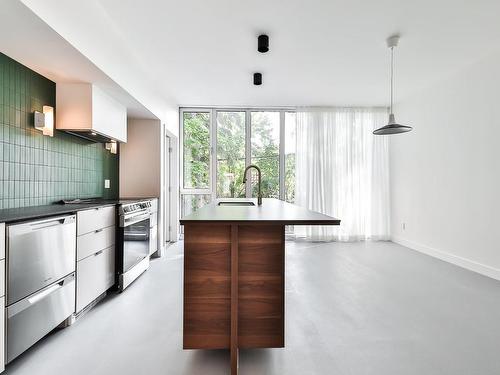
point(234, 273)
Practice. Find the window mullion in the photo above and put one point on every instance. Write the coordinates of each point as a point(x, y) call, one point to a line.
point(248, 151)
point(281, 173)
point(213, 153)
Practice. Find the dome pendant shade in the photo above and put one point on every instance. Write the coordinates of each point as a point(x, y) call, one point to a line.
point(392, 127)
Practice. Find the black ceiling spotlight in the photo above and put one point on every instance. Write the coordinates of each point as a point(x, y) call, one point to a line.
point(263, 43)
point(257, 79)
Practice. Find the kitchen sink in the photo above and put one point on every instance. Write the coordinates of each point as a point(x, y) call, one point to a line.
point(235, 203)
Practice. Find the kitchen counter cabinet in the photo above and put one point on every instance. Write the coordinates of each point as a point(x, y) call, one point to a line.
point(95, 275)
point(95, 219)
point(234, 274)
point(95, 249)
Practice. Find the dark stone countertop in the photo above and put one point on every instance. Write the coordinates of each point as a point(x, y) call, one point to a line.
point(10, 215)
point(272, 211)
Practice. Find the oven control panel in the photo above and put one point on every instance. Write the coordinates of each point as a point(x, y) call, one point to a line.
point(129, 208)
point(133, 207)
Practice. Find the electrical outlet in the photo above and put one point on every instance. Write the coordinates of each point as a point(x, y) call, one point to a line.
point(403, 226)
point(107, 184)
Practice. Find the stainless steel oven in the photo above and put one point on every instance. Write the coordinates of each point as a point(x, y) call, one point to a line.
point(133, 242)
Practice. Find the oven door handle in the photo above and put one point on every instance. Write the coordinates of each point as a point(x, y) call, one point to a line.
point(134, 219)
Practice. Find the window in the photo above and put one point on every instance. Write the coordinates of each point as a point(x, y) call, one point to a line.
point(196, 150)
point(290, 147)
point(191, 202)
point(218, 144)
point(265, 141)
point(230, 154)
point(195, 160)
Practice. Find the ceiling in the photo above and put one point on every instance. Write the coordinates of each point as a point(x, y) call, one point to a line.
point(41, 49)
point(199, 52)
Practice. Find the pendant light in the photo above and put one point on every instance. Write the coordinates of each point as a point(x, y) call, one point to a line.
point(392, 127)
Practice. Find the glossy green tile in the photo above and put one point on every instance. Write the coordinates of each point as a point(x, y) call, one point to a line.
point(40, 170)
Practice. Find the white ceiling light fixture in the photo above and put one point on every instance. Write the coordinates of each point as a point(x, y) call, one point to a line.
point(392, 127)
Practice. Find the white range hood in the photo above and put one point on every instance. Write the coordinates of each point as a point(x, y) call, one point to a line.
point(85, 110)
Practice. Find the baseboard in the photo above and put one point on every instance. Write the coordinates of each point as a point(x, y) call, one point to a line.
point(75, 316)
point(468, 264)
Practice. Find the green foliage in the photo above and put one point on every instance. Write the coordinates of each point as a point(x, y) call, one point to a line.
point(191, 202)
point(230, 155)
point(196, 150)
point(265, 153)
point(290, 178)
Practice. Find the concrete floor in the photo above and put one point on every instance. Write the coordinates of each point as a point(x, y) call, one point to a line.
point(353, 308)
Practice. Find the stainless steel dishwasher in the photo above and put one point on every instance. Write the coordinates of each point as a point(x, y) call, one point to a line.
point(41, 258)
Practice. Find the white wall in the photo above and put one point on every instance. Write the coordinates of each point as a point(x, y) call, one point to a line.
point(445, 175)
point(142, 170)
point(140, 160)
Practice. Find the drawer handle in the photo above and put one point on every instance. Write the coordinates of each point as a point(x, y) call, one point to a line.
point(98, 230)
point(98, 253)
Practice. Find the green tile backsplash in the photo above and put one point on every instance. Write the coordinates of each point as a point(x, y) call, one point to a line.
point(37, 169)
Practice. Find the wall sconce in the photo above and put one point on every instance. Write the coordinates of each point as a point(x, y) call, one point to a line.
point(112, 147)
point(45, 121)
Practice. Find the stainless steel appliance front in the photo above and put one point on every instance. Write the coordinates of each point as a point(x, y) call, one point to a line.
point(41, 258)
point(38, 254)
point(133, 242)
point(32, 318)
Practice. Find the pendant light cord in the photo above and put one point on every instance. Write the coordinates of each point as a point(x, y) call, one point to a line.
point(392, 76)
point(392, 126)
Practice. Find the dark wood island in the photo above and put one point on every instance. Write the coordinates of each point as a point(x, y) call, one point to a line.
point(234, 273)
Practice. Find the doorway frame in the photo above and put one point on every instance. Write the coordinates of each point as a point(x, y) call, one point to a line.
point(169, 187)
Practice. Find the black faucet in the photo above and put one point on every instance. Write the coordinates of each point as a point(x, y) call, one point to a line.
point(259, 195)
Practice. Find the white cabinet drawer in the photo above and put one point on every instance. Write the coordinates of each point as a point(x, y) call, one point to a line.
point(92, 242)
point(94, 275)
point(2, 240)
point(96, 218)
point(2, 277)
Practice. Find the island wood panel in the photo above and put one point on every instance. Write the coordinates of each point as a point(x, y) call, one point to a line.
point(258, 252)
point(207, 286)
point(261, 252)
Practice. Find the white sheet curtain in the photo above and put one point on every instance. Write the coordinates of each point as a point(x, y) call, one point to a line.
point(342, 170)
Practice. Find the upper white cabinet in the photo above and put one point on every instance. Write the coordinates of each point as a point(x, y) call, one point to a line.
point(85, 110)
